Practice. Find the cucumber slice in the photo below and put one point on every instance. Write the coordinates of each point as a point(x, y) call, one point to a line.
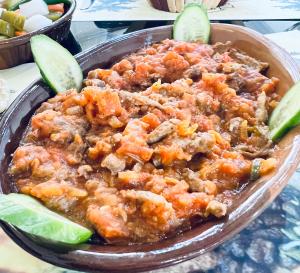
point(31, 216)
point(287, 113)
point(58, 67)
point(192, 24)
point(15, 19)
point(6, 29)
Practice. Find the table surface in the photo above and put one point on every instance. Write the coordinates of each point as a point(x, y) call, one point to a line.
point(271, 243)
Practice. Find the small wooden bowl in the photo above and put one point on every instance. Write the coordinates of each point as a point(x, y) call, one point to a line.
point(247, 205)
point(15, 51)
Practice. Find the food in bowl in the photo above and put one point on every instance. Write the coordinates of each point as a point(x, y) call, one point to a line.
point(178, 5)
point(166, 136)
point(18, 18)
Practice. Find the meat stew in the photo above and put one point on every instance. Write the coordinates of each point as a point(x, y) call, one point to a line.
point(167, 134)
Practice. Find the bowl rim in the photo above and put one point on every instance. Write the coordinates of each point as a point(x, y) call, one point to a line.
point(189, 248)
point(14, 41)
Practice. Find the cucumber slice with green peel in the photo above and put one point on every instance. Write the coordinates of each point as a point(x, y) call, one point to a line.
point(15, 19)
point(57, 65)
point(6, 29)
point(192, 24)
point(31, 216)
point(287, 113)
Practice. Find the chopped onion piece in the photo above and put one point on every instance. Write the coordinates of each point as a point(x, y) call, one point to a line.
point(1, 10)
point(36, 22)
point(34, 7)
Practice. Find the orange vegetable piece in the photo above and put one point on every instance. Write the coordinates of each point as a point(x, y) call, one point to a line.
point(184, 129)
point(152, 120)
point(267, 165)
point(20, 33)
point(56, 8)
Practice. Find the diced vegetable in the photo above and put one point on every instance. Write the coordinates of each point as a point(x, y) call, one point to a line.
point(31, 216)
point(1, 10)
point(54, 16)
point(57, 65)
point(37, 22)
point(255, 169)
point(287, 113)
point(267, 165)
point(56, 8)
point(6, 29)
point(34, 7)
point(192, 24)
point(13, 4)
point(15, 19)
point(20, 33)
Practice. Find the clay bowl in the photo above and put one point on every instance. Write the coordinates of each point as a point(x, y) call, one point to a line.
point(252, 200)
point(15, 51)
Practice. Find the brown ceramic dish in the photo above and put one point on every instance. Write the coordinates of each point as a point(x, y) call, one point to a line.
point(252, 200)
point(15, 51)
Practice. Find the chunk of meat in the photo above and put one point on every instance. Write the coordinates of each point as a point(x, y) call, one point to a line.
point(59, 128)
point(198, 185)
point(261, 113)
point(201, 143)
point(110, 77)
point(222, 47)
point(154, 209)
point(216, 208)
point(34, 159)
point(163, 130)
point(241, 57)
point(101, 148)
point(84, 171)
point(138, 99)
point(114, 163)
point(94, 82)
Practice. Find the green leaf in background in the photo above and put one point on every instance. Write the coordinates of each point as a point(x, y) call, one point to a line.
point(29, 215)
